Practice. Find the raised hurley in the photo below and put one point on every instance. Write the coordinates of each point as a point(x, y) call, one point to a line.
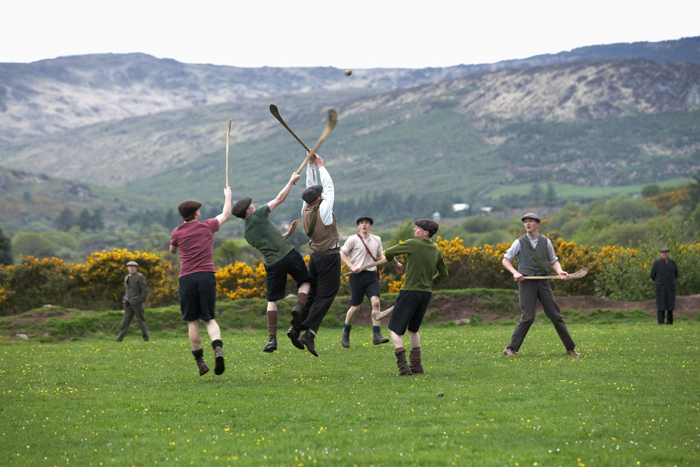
point(379, 315)
point(330, 124)
point(228, 135)
point(276, 114)
point(574, 275)
point(376, 263)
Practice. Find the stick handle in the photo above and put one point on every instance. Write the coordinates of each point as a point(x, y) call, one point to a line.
point(379, 315)
point(376, 263)
point(228, 135)
point(574, 275)
point(332, 120)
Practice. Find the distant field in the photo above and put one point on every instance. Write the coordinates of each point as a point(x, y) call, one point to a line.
point(629, 399)
point(573, 191)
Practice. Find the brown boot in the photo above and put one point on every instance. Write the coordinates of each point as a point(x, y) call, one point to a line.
point(203, 368)
point(404, 370)
point(414, 357)
point(379, 339)
point(345, 339)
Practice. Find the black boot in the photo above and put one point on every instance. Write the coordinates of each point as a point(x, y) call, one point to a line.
point(293, 334)
point(345, 340)
point(296, 315)
point(404, 370)
point(660, 316)
point(308, 340)
point(379, 339)
point(199, 359)
point(218, 356)
point(271, 345)
point(669, 317)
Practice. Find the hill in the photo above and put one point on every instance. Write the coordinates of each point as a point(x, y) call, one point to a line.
point(592, 123)
point(51, 96)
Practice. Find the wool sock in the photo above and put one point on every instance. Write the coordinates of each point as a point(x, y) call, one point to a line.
point(376, 329)
point(302, 298)
point(216, 343)
point(272, 322)
point(347, 327)
point(198, 354)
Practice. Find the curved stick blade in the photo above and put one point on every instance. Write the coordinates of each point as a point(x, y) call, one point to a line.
point(330, 124)
point(379, 315)
point(276, 113)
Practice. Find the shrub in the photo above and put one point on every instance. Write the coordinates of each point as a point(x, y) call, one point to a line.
point(32, 283)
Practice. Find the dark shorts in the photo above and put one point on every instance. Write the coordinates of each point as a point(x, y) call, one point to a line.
point(409, 311)
point(364, 284)
point(197, 292)
point(292, 264)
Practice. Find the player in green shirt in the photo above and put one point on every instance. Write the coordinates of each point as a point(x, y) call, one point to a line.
point(279, 255)
point(423, 258)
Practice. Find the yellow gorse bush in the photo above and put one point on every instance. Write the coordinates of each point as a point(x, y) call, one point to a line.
point(236, 281)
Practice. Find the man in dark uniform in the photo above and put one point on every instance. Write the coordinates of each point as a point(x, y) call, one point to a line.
point(135, 293)
point(664, 273)
point(321, 226)
point(534, 252)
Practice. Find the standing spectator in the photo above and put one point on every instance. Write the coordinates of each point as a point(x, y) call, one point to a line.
point(135, 293)
point(197, 282)
point(664, 273)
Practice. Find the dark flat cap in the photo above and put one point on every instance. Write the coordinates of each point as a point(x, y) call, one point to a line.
point(664, 250)
point(364, 218)
point(531, 215)
point(189, 207)
point(241, 207)
point(312, 193)
point(133, 263)
point(428, 225)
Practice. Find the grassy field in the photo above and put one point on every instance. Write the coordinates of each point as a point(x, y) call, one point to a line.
point(630, 399)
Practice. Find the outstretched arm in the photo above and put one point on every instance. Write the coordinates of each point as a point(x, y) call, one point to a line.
point(509, 266)
point(226, 212)
point(282, 195)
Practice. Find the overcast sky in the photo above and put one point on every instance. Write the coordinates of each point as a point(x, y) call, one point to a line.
point(343, 34)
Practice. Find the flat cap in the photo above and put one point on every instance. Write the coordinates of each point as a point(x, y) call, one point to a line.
point(241, 207)
point(429, 225)
point(189, 207)
point(531, 215)
point(132, 263)
point(364, 218)
point(312, 193)
point(664, 250)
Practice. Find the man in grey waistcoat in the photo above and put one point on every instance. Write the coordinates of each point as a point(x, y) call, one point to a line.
point(135, 293)
point(535, 255)
point(664, 273)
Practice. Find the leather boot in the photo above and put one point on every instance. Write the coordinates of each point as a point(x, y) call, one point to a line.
point(203, 368)
point(296, 315)
point(345, 340)
point(293, 334)
point(271, 345)
point(404, 370)
point(308, 340)
point(219, 367)
point(379, 339)
point(414, 358)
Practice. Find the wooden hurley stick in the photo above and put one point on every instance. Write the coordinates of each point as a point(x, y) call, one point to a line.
point(228, 135)
point(379, 315)
point(376, 263)
point(574, 275)
point(330, 124)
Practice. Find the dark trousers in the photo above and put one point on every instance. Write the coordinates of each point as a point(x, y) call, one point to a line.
point(660, 316)
point(325, 274)
point(530, 292)
point(129, 312)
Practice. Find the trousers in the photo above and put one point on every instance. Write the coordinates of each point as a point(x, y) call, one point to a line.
point(129, 312)
point(530, 292)
point(325, 283)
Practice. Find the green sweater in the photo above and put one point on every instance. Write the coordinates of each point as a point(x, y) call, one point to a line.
point(264, 237)
point(422, 259)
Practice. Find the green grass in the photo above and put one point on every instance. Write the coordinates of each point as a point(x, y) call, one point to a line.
point(630, 399)
point(574, 191)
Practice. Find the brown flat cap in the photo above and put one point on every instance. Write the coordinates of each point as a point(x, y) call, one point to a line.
point(241, 207)
point(428, 225)
point(531, 215)
point(364, 218)
point(189, 207)
point(312, 193)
